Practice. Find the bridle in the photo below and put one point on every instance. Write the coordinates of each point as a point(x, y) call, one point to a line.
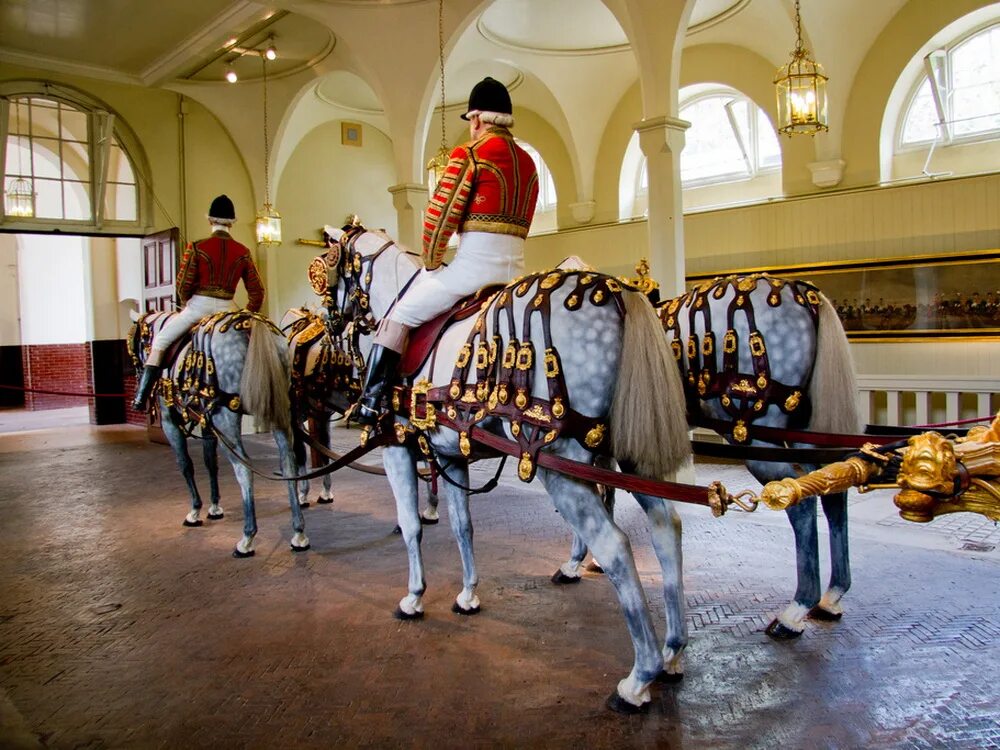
point(351, 306)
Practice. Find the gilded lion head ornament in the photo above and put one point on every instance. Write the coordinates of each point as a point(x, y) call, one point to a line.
point(929, 465)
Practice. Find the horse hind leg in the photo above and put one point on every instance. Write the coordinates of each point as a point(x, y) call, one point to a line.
point(580, 505)
point(210, 455)
point(569, 571)
point(791, 622)
point(835, 510)
point(665, 530)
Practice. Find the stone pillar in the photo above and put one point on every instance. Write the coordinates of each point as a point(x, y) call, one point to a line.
point(410, 200)
point(661, 140)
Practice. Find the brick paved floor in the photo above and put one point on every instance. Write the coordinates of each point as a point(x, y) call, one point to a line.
point(121, 628)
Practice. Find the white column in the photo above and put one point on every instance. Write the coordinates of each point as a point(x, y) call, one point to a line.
point(661, 140)
point(409, 199)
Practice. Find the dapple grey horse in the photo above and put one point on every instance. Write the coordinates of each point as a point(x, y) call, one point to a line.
point(253, 366)
point(803, 347)
point(616, 367)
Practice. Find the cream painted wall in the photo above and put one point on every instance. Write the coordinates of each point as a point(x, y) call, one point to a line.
point(10, 328)
point(323, 181)
point(610, 248)
point(944, 216)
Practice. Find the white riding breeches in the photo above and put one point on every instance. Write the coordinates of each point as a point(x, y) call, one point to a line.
point(196, 308)
point(483, 258)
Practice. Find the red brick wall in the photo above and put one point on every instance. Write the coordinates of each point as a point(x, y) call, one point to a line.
point(56, 367)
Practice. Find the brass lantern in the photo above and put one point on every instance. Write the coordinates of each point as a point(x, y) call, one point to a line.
point(801, 89)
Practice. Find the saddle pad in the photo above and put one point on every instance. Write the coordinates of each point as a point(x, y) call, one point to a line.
point(423, 338)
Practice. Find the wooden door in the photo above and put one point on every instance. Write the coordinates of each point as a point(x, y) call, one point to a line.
point(159, 264)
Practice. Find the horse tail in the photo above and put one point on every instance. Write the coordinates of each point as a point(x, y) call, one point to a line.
point(648, 421)
point(833, 389)
point(265, 383)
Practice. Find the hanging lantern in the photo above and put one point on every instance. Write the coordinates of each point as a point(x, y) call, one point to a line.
point(268, 226)
point(20, 199)
point(801, 89)
point(436, 167)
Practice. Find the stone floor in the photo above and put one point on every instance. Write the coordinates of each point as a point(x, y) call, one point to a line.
point(121, 628)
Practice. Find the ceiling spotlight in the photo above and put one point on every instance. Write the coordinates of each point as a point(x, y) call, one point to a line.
point(271, 53)
point(231, 75)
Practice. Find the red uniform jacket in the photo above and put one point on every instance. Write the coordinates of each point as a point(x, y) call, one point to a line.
point(489, 185)
point(214, 266)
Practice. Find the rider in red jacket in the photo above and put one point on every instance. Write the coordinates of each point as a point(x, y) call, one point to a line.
point(488, 195)
point(206, 282)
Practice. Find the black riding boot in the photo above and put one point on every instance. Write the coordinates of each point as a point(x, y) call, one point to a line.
point(150, 374)
point(382, 364)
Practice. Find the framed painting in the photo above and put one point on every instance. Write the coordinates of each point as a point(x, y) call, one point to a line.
point(899, 299)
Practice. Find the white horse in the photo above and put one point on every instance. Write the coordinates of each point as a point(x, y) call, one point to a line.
point(770, 352)
point(235, 364)
point(618, 374)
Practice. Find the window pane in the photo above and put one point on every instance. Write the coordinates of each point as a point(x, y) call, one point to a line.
point(920, 123)
point(976, 83)
point(45, 157)
point(76, 161)
point(768, 148)
point(17, 121)
point(119, 202)
point(74, 124)
point(18, 156)
point(44, 121)
point(76, 199)
point(710, 148)
point(120, 168)
point(48, 199)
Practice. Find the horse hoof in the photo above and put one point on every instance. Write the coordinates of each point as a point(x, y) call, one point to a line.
point(300, 549)
point(560, 579)
point(193, 524)
point(216, 516)
point(428, 521)
point(621, 706)
point(399, 614)
point(241, 555)
point(669, 678)
point(818, 613)
point(781, 632)
point(594, 567)
point(324, 500)
point(397, 530)
point(303, 503)
point(467, 612)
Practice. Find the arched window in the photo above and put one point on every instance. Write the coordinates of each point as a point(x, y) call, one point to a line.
point(545, 207)
point(958, 98)
point(730, 139)
point(72, 154)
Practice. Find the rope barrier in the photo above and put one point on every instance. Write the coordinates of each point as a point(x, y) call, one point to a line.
point(89, 394)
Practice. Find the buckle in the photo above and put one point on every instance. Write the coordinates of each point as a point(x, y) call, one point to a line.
point(429, 420)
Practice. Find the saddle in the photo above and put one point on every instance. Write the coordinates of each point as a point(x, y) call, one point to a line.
point(425, 337)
